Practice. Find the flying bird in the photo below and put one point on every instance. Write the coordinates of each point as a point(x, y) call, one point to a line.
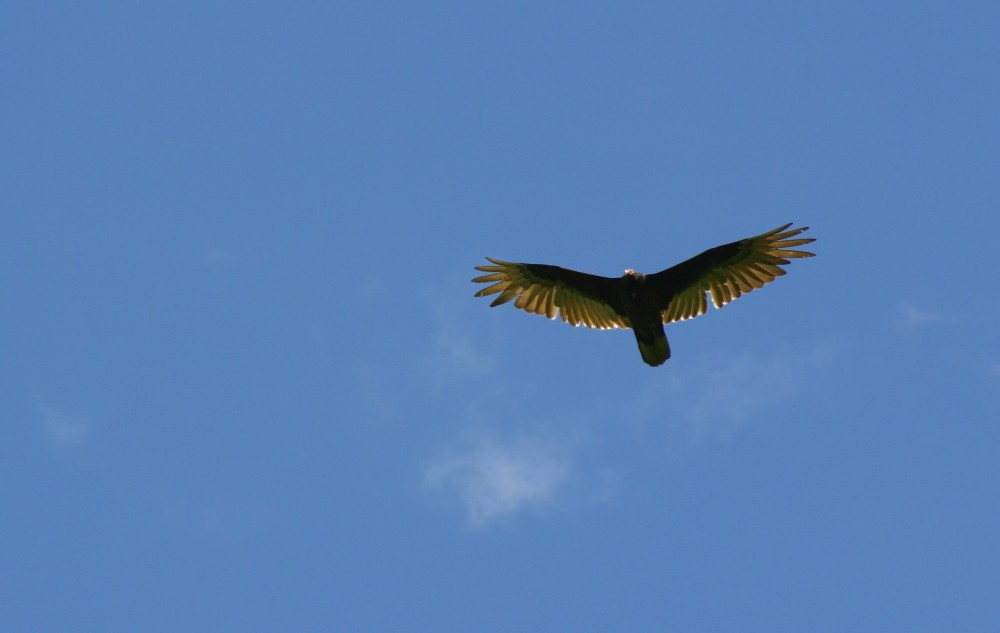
point(645, 302)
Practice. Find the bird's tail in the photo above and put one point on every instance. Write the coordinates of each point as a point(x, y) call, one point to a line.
point(654, 347)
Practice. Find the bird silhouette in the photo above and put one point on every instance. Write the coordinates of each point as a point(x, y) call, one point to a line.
point(641, 302)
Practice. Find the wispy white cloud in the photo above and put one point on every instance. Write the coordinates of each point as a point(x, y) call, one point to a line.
point(494, 479)
point(723, 391)
point(61, 428)
point(460, 354)
point(910, 317)
point(454, 357)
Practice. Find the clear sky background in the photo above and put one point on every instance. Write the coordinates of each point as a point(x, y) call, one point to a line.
point(245, 386)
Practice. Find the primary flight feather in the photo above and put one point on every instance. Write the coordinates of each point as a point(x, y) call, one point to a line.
point(645, 302)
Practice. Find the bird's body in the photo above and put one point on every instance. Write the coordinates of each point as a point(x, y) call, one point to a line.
point(641, 310)
point(645, 303)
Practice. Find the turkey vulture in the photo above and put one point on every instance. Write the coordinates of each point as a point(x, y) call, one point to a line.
point(645, 302)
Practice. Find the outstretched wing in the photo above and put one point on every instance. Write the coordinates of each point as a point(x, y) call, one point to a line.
point(726, 272)
point(578, 298)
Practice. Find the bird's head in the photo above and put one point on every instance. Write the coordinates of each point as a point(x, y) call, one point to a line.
point(634, 275)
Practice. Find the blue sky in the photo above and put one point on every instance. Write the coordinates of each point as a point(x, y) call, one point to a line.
point(245, 385)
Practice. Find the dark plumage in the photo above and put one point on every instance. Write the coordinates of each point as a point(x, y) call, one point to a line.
point(645, 302)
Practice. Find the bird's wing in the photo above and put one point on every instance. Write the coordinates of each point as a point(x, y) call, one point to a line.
point(726, 272)
point(578, 298)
